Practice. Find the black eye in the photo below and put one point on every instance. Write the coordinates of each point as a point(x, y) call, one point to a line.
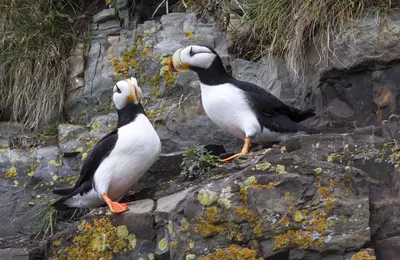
point(191, 53)
point(118, 90)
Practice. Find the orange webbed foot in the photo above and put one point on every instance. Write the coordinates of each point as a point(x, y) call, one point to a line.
point(245, 150)
point(115, 207)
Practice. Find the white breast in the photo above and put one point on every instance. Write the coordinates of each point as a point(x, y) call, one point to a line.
point(227, 106)
point(136, 150)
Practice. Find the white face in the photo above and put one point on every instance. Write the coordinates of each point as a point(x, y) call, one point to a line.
point(195, 56)
point(126, 91)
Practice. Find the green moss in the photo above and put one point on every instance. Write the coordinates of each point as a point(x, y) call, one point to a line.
point(50, 130)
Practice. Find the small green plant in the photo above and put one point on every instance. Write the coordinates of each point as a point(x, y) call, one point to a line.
point(49, 215)
point(198, 161)
point(50, 130)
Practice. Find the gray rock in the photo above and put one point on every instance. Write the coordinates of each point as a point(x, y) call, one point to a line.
point(390, 127)
point(14, 254)
point(8, 129)
point(76, 62)
point(48, 163)
point(388, 248)
point(140, 211)
point(123, 4)
point(102, 125)
point(71, 137)
point(167, 204)
point(105, 15)
point(269, 74)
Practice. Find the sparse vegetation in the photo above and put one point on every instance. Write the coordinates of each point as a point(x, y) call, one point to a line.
point(286, 27)
point(36, 40)
point(198, 161)
point(49, 214)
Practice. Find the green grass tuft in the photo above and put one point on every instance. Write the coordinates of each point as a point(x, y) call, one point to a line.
point(287, 27)
point(198, 161)
point(36, 39)
point(50, 215)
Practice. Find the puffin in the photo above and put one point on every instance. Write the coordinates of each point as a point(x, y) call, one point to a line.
point(119, 159)
point(244, 109)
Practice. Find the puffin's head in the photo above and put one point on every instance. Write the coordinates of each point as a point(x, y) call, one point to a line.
point(126, 91)
point(194, 57)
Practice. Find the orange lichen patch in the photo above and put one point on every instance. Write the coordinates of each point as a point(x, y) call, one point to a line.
point(233, 253)
point(12, 172)
point(211, 214)
point(206, 229)
point(347, 183)
point(189, 34)
point(270, 185)
point(324, 192)
point(332, 184)
point(330, 203)
point(302, 239)
point(363, 255)
point(318, 222)
point(98, 241)
point(173, 244)
point(319, 181)
point(288, 196)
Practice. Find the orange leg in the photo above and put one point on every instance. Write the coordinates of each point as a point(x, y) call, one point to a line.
point(114, 206)
point(245, 150)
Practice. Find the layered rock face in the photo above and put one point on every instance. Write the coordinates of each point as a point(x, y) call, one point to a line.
point(328, 196)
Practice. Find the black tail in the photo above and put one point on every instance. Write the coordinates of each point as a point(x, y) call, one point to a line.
point(63, 192)
point(302, 115)
point(60, 204)
point(306, 129)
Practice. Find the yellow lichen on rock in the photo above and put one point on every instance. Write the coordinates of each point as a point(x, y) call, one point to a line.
point(324, 192)
point(233, 253)
point(97, 241)
point(261, 166)
point(163, 244)
point(211, 214)
point(207, 197)
point(207, 229)
point(318, 170)
point(363, 255)
point(189, 34)
point(12, 172)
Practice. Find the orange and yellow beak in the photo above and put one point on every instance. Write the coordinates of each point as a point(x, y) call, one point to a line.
point(175, 63)
point(136, 92)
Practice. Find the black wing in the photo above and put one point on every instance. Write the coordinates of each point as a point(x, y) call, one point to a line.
point(268, 105)
point(100, 151)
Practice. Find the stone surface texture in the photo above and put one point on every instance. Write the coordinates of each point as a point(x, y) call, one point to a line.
point(329, 196)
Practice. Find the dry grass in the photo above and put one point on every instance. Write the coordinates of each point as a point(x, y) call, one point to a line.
point(286, 27)
point(36, 38)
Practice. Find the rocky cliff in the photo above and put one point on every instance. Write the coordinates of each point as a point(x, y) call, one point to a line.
point(328, 196)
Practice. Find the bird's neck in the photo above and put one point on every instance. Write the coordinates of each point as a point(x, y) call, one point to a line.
point(129, 113)
point(215, 74)
point(212, 78)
